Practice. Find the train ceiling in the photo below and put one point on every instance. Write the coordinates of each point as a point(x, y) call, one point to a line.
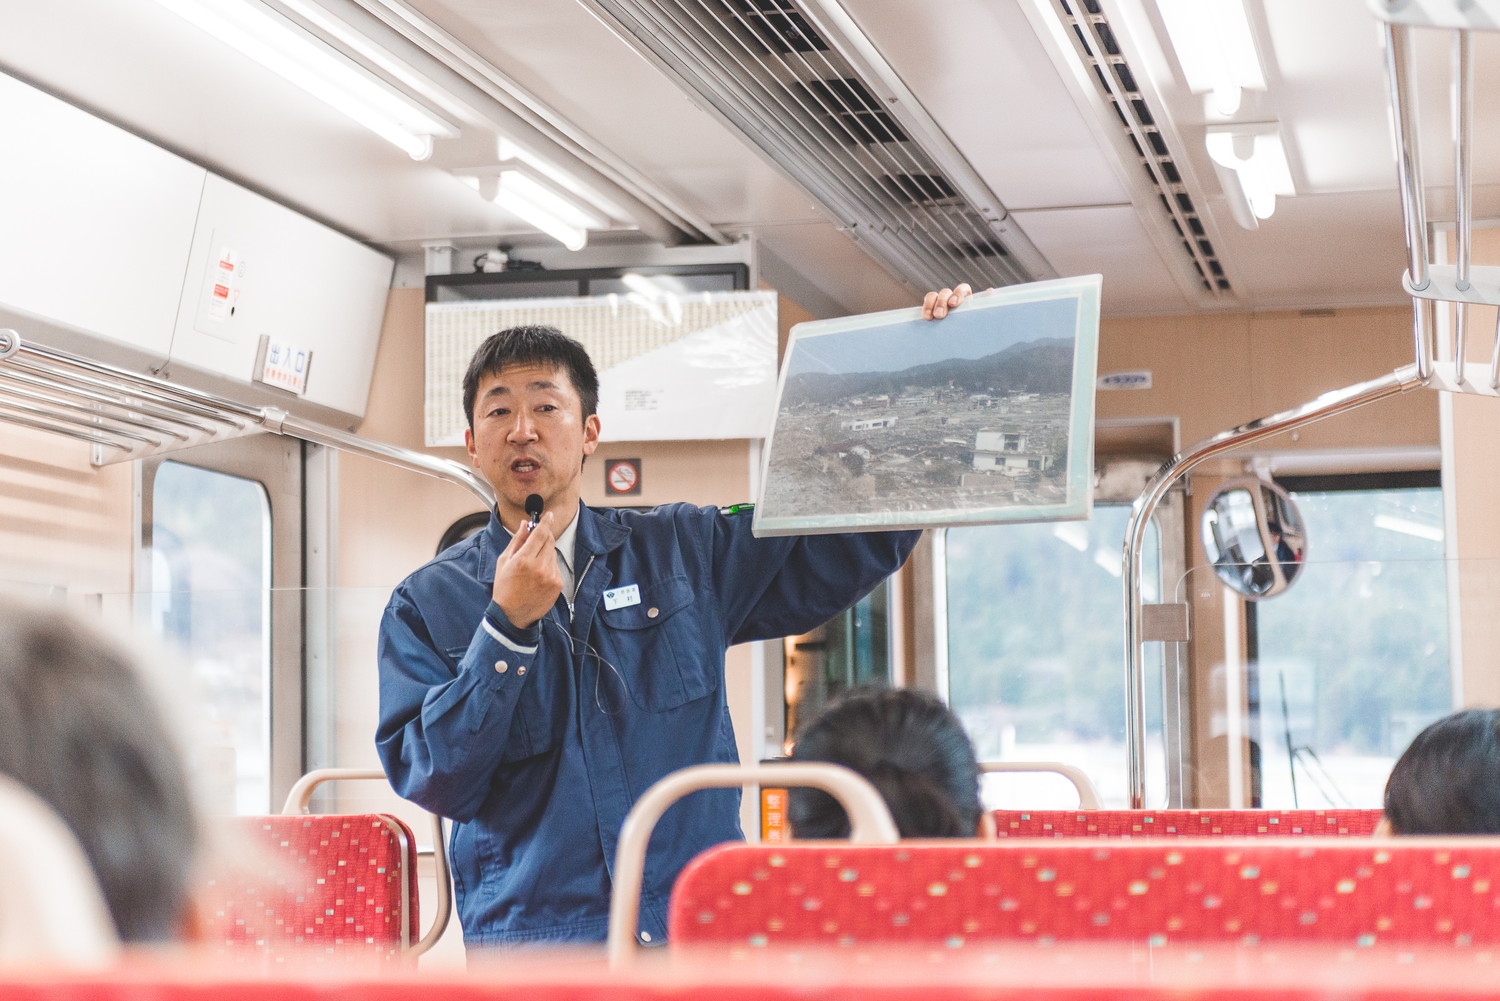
point(867, 147)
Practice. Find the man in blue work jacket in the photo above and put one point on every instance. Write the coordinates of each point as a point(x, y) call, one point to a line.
point(537, 678)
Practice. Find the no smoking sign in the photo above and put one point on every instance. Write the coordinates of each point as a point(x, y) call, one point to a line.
point(622, 477)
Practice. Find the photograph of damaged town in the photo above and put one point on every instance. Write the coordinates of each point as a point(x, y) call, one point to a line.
point(887, 420)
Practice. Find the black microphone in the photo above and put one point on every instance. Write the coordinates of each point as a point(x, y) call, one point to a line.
point(534, 508)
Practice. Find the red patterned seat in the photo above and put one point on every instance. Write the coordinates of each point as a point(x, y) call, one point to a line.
point(1183, 823)
point(320, 884)
point(1339, 891)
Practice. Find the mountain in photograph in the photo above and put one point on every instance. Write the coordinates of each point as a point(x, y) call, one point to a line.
point(1040, 366)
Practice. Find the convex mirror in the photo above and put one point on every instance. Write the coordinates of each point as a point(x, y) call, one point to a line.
point(1255, 538)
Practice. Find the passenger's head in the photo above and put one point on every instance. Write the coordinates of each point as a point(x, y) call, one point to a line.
point(81, 729)
point(912, 749)
point(532, 345)
point(1448, 780)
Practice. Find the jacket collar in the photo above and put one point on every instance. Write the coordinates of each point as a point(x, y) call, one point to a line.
point(597, 535)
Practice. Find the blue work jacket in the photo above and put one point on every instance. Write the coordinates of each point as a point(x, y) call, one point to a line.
point(538, 741)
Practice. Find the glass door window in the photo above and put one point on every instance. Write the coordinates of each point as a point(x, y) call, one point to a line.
point(1036, 642)
point(210, 563)
point(1348, 665)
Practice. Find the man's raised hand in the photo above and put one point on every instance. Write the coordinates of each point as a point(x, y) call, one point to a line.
point(527, 581)
point(935, 305)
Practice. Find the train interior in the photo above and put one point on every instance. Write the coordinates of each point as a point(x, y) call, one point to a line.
point(1266, 243)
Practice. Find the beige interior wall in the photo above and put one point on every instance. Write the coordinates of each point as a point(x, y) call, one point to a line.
point(1214, 372)
point(69, 527)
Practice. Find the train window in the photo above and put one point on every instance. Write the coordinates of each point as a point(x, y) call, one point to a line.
point(852, 648)
point(1035, 653)
point(211, 595)
point(1346, 668)
point(463, 528)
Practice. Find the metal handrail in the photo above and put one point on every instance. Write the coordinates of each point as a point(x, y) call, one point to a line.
point(1088, 795)
point(1327, 405)
point(184, 415)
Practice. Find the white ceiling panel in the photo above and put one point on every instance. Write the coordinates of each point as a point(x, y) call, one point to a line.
point(1112, 242)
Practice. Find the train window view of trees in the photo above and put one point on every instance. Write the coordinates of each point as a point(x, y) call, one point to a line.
point(1359, 645)
point(210, 596)
point(1345, 667)
point(1036, 641)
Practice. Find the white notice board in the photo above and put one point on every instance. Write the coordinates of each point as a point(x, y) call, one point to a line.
point(696, 366)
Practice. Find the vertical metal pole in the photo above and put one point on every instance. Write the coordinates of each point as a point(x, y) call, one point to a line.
point(1463, 126)
point(1408, 165)
point(1495, 357)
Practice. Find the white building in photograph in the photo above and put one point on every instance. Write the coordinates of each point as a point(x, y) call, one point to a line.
point(1007, 452)
point(868, 423)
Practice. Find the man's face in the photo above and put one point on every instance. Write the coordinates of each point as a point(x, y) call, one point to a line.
point(530, 437)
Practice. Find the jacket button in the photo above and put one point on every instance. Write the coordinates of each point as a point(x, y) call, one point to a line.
point(521, 671)
point(652, 613)
point(645, 935)
point(501, 666)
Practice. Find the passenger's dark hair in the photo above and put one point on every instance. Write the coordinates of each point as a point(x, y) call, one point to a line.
point(1447, 781)
point(532, 345)
point(912, 749)
point(80, 728)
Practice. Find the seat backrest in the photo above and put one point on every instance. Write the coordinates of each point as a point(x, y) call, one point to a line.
point(1354, 893)
point(329, 884)
point(1183, 823)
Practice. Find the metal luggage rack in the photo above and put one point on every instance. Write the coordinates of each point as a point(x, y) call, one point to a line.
point(126, 415)
point(1461, 283)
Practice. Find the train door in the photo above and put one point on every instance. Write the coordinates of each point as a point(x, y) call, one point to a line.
point(1346, 667)
point(220, 566)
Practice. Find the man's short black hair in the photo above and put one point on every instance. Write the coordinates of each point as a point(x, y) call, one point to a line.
point(1448, 780)
point(532, 345)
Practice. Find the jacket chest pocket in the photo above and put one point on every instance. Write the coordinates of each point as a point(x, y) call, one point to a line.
point(664, 651)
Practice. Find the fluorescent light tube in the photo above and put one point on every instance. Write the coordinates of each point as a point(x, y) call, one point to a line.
point(1258, 160)
point(536, 204)
point(1215, 48)
point(324, 73)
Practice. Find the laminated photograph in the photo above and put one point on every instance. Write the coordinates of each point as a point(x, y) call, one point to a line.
point(888, 421)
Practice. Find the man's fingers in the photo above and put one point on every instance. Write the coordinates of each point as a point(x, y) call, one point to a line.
point(540, 538)
point(517, 540)
point(929, 303)
point(935, 305)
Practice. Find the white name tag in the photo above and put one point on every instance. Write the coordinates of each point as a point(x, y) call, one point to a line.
point(620, 597)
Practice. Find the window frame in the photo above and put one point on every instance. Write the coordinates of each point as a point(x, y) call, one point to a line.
point(276, 464)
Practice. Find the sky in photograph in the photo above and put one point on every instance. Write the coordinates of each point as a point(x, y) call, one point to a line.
point(972, 333)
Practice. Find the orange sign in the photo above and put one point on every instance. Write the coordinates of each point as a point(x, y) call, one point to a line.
point(773, 816)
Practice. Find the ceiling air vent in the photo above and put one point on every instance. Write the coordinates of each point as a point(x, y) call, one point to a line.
point(779, 24)
point(1095, 42)
point(804, 86)
point(857, 116)
point(919, 187)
